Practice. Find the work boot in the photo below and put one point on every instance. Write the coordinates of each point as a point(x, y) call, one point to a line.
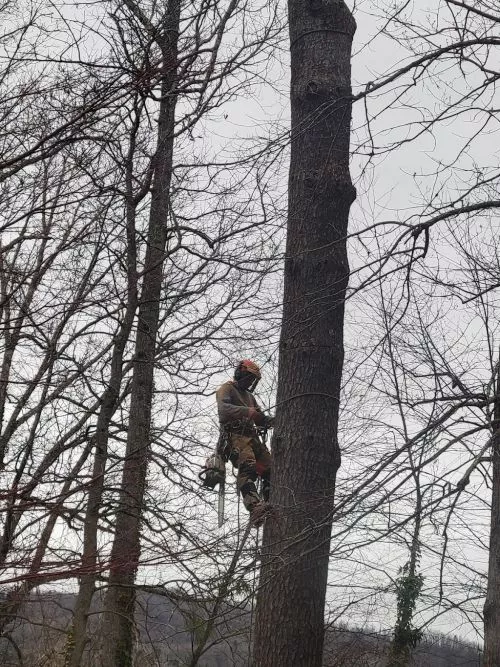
point(259, 513)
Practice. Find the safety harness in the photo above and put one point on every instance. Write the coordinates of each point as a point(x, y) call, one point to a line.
point(214, 470)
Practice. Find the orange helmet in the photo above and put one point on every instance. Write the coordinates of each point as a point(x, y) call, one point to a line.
point(248, 366)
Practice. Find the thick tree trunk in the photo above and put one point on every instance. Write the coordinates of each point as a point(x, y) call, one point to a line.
point(118, 629)
point(290, 606)
point(492, 603)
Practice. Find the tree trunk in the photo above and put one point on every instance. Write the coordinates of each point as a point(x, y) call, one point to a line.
point(291, 600)
point(492, 604)
point(78, 632)
point(77, 636)
point(120, 599)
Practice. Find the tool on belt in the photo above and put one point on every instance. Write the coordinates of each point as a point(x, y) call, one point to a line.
point(214, 473)
point(214, 470)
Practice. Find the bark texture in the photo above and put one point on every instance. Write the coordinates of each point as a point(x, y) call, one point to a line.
point(290, 606)
point(491, 657)
point(120, 598)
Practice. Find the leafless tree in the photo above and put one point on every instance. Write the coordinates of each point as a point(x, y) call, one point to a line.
point(88, 174)
point(306, 454)
point(76, 299)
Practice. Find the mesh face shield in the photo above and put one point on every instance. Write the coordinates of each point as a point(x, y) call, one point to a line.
point(246, 380)
point(247, 375)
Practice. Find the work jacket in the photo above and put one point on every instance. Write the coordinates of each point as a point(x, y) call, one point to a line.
point(235, 405)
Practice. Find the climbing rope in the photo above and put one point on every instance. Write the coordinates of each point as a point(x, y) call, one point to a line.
point(256, 559)
point(252, 606)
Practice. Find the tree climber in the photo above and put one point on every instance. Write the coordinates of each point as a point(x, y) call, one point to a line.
point(239, 416)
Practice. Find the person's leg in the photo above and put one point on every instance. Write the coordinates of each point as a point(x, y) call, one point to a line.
point(247, 473)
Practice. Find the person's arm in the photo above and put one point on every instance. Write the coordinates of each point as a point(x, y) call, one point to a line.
point(228, 410)
point(260, 418)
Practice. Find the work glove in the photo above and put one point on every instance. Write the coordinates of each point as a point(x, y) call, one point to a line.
point(264, 421)
point(257, 416)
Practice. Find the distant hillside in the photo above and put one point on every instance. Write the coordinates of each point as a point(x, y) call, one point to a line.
point(168, 633)
point(357, 648)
